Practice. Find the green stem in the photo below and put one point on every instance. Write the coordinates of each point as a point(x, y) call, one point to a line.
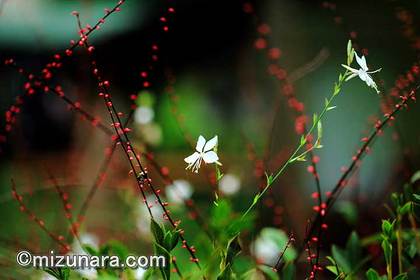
point(295, 155)
point(389, 270)
point(399, 244)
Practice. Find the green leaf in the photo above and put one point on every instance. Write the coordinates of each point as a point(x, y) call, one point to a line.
point(395, 197)
point(174, 239)
point(402, 276)
point(289, 271)
point(336, 89)
point(270, 178)
point(371, 274)
point(302, 140)
point(240, 224)
point(405, 208)
point(150, 274)
point(354, 251)
point(106, 275)
point(387, 249)
point(59, 273)
point(167, 240)
point(165, 271)
point(157, 231)
point(415, 177)
point(221, 214)
point(300, 158)
point(332, 268)
point(233, 249)
point(226, 274)
point(411, 249)
point(348, 210)
point(117, 248)
point(331, 108)
point(90, 250)
point(340, 258)
point(387, 228)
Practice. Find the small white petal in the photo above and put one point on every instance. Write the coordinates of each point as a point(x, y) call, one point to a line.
point(192, 158)
point(200, 144)
point(210, 144)
point(351, 76)
point(371, 72)
point(210, 157)
point(362, 62)
point(369, 81)
point(350, 69)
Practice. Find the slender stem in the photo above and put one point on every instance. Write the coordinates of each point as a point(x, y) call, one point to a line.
point(389, 268)
point(319, 219)
point(297, 152)
point(399, 244)
point(57, 238)
point(414, 228)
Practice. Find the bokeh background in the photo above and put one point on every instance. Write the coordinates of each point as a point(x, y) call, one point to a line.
point(223, 88)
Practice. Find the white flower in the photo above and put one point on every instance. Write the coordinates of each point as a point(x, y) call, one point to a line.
point(266, 250)
point(204, 151)
point(363, 72)
point(229, 184)
point(139, 273)
point(179, 191)
point(143, 115)
point(269, 244)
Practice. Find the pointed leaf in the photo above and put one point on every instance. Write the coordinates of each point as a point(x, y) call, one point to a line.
point(157, 231)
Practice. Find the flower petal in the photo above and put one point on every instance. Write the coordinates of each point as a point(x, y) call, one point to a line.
point(200, 144)
point(210, 157)
point(369, 80)
point(192, 158)
point(349, 68)
point(210, 144)
point(363, 75)
point(371, 72)
point(362, 62)
point(351, 76)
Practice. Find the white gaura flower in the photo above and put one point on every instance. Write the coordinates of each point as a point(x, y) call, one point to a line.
point(179, 191)
point(363, 72)
point(269, 244)
point(229, 184)
point(203, 152)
